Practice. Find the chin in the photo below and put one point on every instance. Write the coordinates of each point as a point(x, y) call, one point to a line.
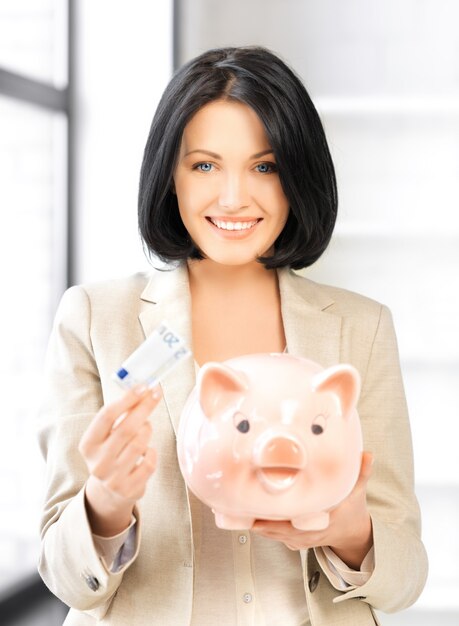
point(236, 256)
point(232, 261)
point(230, 258)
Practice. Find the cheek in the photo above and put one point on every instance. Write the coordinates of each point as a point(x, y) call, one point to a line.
point(191, 195)
point(217, 450)
point(327, 464)
point(219, 467)
point(272, 197)
point(188, 204)
point(186, 197)
point(327, 459)
point(277, 192)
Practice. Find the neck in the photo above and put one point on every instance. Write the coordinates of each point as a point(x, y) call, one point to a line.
point(225, 277)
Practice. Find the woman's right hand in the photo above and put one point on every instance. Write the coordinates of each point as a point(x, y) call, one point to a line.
point(119, 459)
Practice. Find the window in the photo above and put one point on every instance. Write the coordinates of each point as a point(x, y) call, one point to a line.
point(33, 257)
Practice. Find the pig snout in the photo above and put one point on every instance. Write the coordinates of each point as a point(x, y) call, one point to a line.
point(278, 460)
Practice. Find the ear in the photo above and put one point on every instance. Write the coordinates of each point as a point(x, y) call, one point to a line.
point(219, 386)
point(344, 382)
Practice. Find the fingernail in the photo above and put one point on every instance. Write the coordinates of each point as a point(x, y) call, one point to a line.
point(156, 393)
point(118, 421)
point(140, 389)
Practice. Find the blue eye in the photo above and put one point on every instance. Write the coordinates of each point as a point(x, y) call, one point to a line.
point(204, 167)
point(266, 168)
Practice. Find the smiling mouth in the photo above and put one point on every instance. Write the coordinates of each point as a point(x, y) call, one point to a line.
point(234, 225)
point(277, 478)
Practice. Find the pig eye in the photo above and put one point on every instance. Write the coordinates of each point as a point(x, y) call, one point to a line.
point(243, 426)
point(241, 423)
point(318, 426)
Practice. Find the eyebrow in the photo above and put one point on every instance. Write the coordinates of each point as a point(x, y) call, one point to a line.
point(217, 156)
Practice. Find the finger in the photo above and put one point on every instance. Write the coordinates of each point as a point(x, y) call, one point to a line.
point(134, 449)
point(133, 485)
point(273, 526)
point(365, 469)
point(102, 423)
point(130, 427)
point(148, 465)
point(367, 464)
point(280, 530)
point(136, 482)
point(147, 395)
point(135, 430)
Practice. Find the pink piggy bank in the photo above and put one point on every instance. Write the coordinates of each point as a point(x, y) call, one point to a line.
point(271, 436)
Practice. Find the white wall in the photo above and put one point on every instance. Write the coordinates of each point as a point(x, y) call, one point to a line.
point(385, 79)
point(124, 61)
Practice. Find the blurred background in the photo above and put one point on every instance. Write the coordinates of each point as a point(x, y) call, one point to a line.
point(79, 83)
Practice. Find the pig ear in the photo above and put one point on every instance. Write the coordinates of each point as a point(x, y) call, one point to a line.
point(344, 382)
point(218, 387)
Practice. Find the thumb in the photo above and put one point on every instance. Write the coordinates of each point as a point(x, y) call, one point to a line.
point(366, 467)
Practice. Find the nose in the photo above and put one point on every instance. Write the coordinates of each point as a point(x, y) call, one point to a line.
point(233, 193)
point(281, 451)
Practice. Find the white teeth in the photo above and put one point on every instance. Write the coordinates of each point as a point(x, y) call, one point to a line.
point(233, 225)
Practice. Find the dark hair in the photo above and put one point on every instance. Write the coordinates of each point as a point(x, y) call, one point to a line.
point(258, 78)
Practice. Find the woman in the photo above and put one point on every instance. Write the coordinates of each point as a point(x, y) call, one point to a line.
point(237, 189)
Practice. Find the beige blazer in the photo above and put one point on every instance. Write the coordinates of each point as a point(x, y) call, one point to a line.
point(96, 328)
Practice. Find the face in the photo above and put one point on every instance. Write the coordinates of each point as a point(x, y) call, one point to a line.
point(228, 189)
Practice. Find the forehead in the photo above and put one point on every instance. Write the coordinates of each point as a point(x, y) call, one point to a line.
point(225, 122)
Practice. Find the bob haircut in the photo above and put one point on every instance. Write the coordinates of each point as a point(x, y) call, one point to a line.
point(254, 76)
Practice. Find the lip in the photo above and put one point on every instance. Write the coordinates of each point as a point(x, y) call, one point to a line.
point(233, 234)
point(224, 218)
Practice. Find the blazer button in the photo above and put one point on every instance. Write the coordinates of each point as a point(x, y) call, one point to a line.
point(92, 582)
point(314, 581)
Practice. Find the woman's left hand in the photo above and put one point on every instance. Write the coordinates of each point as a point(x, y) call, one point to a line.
point(349, 533)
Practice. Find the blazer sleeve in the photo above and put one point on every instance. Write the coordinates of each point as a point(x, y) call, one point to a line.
point(400, 558)
point(69, 562)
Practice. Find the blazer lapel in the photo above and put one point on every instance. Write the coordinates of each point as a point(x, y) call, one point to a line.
point(311, 331)
point(167, 298)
